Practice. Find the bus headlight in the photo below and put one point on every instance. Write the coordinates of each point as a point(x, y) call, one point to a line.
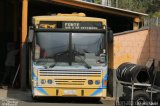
point(97, 82)
point(90, 82)
point(49, 81)
point(43, 81)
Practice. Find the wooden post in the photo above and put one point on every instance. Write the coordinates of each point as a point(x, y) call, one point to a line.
point(23, 44)
point(24, 19)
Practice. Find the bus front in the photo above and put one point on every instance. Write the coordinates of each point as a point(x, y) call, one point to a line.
point(69, 57)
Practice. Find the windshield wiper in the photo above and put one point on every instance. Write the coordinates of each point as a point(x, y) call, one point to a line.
point(53, 65)
point(82, 60)
point(77, 53)
point(58, 55)
point(86, 64)
point(61, 53)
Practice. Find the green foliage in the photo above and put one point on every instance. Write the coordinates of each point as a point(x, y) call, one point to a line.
point(156, 14)
point(154, 7)
point(146, 6)
point(135, 5)
point(98, 1)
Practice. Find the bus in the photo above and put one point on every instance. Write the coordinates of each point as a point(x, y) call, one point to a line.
point(68, 56)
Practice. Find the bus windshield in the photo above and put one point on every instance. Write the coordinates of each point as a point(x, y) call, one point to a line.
point(55, 45)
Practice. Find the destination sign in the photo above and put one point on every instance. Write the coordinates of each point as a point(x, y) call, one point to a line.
point(82, 25)
point(70, 25)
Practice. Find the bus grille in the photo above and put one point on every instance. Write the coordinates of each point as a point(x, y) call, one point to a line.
point(70, 77)
point(70, 81)
point(81, 73)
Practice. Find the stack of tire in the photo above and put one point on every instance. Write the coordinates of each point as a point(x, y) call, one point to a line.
point(129, 72)
point(157, 79)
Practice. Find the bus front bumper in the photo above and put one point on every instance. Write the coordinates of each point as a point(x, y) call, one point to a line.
point(46, 92)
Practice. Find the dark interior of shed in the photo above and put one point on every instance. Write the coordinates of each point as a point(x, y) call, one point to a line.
point(10, 26)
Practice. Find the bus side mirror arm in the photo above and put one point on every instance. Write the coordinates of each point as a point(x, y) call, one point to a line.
point(30, 35)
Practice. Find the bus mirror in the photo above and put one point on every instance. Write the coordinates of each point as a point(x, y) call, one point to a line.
point(110, 36)
point(30, 35)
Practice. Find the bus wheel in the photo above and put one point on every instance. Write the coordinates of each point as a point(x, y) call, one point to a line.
point(97, 99)
point(141, 98)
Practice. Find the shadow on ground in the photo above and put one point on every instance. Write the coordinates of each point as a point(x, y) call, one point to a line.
point(25, 96)
point(68, 100)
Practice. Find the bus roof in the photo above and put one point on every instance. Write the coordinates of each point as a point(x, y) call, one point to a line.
point(37, 19)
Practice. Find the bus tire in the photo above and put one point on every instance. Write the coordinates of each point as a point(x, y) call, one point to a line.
point(97, 99)
point(141, 96)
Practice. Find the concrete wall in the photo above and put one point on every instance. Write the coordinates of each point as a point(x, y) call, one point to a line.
point(133, 46)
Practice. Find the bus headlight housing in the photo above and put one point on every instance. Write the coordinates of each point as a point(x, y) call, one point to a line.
point(90, 82)
point(49, 81)
point(43, 81)
point(97, 82)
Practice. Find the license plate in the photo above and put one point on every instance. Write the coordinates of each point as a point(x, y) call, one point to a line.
point(69, 92)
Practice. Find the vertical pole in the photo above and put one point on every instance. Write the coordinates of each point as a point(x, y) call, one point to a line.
point(23, 43)
point(132, 94)
point(117, 100)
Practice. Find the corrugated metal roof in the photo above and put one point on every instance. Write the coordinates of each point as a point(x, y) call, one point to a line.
point(98, 7)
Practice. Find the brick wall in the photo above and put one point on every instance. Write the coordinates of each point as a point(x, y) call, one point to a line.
point(133, 46)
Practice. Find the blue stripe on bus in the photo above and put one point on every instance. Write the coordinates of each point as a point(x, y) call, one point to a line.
point(42, 91)
point(34, 76)
point(96, 92)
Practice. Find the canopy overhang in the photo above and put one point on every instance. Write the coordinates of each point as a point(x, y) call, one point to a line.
point(97, 7)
